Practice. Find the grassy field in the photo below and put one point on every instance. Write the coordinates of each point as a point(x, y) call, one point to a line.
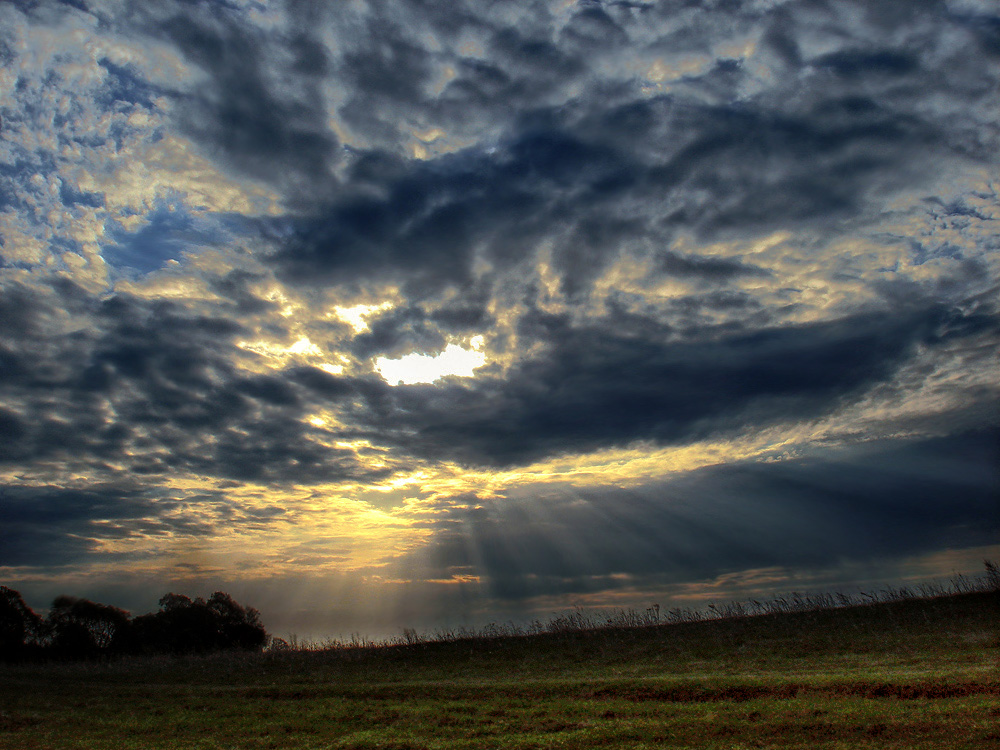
point(920, 673)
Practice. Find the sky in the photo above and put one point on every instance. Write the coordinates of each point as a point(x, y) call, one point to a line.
point(421, 314)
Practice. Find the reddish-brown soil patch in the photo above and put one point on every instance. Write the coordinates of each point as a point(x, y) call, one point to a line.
point(741, 693)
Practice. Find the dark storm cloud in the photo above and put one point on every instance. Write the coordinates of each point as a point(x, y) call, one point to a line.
point(869, 503)
point(260, 111)
point(574, 151)
point(151, 386)
point(398, 332)
point(569, 145)
point(586, 185)
point(236, 287)
point(597, 386)
point(56, 526)
point(424, 230)
point(594, 387)
point(391, 53)
point(820, 147)
point(692, 266)
point(404, 330)
point(822, 137)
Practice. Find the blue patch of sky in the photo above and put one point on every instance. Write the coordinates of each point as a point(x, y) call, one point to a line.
point(70, 196)
point(65, 244)
point(20, 265)
point(122, 85)
point(221, 7)
point(922, 253)
point(960, 209)
point(14, 178)
point(8, 196)
point(78, 4)
point(171, 231)
point(26, 163)
point(6, 54)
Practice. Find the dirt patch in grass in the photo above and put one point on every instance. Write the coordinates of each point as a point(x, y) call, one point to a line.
point(628, 691)
point(742, 693)
point(14, 722)
point(549, 725)
point(916, 691)
point(693, 694)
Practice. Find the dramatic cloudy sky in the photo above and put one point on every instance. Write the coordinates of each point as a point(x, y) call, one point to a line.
point(407, 313)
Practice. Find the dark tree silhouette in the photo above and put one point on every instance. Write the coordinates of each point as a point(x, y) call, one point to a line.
point(81, 628)
point(21, 630)
point(239, 627)
point(183, 625)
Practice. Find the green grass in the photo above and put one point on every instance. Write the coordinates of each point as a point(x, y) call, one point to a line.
point(919, 673)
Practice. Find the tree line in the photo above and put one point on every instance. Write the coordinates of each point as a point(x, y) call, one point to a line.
point(82, 629)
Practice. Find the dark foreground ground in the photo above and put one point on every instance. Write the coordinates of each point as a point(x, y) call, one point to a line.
point(922, 673)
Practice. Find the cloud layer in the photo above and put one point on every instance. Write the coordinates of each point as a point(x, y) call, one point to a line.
point(705, 249)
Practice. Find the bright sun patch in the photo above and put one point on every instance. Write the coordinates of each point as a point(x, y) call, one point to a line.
point(426, 368)
point(357, 316)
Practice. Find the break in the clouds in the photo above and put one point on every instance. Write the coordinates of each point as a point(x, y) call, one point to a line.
point(486, 308)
